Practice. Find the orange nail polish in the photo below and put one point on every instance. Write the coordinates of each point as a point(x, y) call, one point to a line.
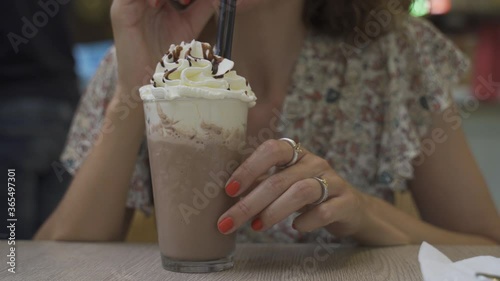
point(232, 188)
point(225, 225)
point(257, 224)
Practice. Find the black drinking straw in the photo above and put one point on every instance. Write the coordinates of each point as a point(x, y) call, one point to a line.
point(225, 30)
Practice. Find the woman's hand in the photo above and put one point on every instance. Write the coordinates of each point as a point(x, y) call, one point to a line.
point(144, 29)
point(291, 190)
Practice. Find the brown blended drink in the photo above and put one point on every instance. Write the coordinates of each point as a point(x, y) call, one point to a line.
point(196, 114)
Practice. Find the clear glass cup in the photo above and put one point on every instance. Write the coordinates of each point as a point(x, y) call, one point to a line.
point(194, 146)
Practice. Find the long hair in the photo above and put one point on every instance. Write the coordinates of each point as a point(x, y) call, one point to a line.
point(343, 17)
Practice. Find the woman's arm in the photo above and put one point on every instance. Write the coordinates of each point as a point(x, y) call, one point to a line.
point(450, 193)
point(93, 208)
point(449, 188)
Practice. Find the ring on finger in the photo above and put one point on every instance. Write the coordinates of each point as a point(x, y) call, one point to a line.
point(324, 191)
point(296, 151)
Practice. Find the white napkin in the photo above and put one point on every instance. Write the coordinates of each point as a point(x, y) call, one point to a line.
point(436, 266)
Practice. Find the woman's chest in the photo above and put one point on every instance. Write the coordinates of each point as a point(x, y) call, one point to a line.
point(341, 121)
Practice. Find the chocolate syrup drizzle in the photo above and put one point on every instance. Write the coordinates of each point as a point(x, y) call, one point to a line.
point(208, 54)
point(170, 72)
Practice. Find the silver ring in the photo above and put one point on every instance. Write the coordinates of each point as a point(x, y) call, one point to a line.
point(324, 191)
point(296, 151)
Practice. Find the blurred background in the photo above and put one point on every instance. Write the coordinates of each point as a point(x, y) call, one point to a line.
point(71, 41)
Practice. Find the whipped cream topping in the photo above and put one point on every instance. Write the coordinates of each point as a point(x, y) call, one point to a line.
point(193, 70)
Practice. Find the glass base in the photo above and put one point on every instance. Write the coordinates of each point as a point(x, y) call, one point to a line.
point(197, 266)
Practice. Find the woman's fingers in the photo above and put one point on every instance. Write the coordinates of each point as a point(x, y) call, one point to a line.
point(154, 3)
point(299, 198)
point(270, 153)
point(256, 183)
point(334, 210)
point(299, 195)
point(180, 4)
point(201, 7)
point(290, 190)
point(268, 191)
point(160, 3)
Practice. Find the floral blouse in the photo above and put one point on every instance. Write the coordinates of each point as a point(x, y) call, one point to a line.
point(363, 109)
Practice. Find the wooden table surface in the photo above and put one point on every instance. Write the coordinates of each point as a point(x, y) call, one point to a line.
point(118, 261)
